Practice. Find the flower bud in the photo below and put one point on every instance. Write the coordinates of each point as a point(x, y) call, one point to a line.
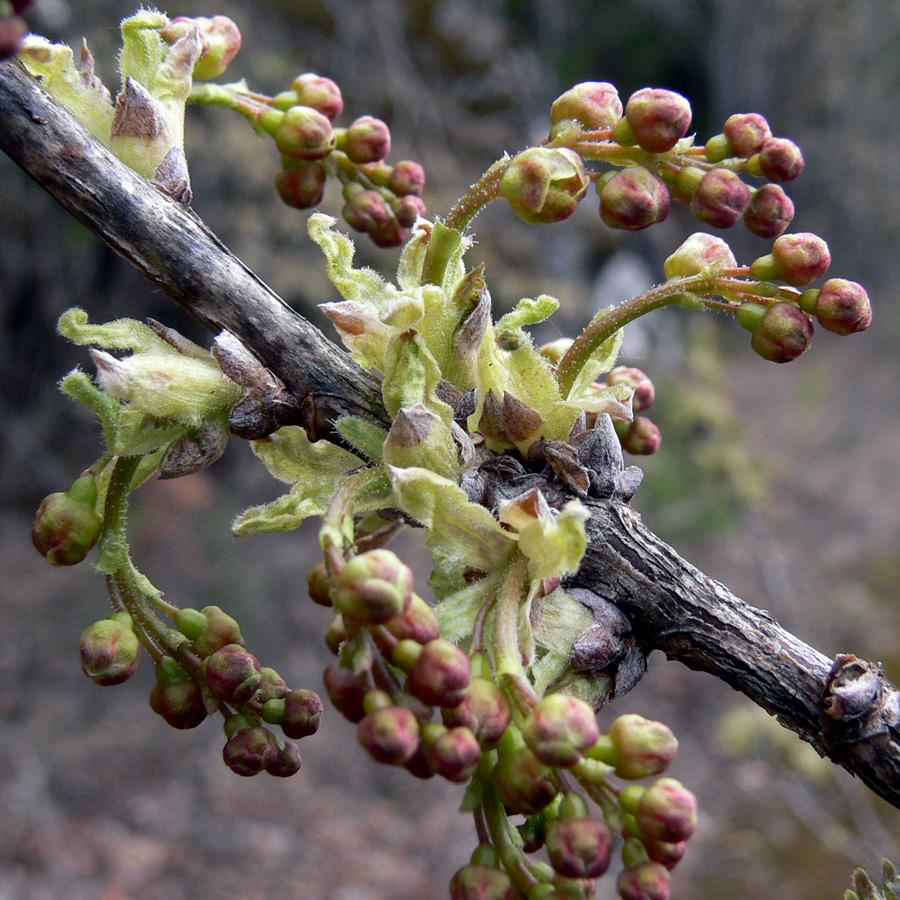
point(544, 185)
point(390, 735)
point(220, 39)
point(319, 586)
point(12, 30)
point(721, 199)
point(66, 526)
point(441, 674)
point(644, 394)
point(320, 93)
point(304, 133)
point(843, 307)
point(658, 118)
point(664, 853)
point(559, 729)
point(373, 587)
point(271, 686)
point(479, 882)
point(667, 811)
point(746, 133)
point(408, 209)
point(640, 436)
point(779, 160)
point(484, 711)
point(770, 211)
point(287, 761)
point(211, 631)
point(302, 183)
point(250, 751)
point(110, 650)
point(579, 847)
point(595, 104)
point(419, 623)
point(783, 332)
point(336, 634)
point(367, 211)
point(407, 177)
point(346, 690)
point(367, 140)
point(699, 252)
point(232, 674)
point(390, 234)
point(524, 783)
point(455, 755)
point(634, 198)
point(798, 259)
point(176, 697)
point(302, 713)
point(641, 747)
point(645, 881)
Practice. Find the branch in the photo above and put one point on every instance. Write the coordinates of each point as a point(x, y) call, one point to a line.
point(846, 709)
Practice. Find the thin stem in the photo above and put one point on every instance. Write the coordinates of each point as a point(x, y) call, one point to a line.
point(486, 189)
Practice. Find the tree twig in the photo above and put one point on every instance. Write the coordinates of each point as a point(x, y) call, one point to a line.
point(845, 708)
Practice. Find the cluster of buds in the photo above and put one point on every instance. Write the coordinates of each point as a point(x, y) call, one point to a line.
point(654, 163)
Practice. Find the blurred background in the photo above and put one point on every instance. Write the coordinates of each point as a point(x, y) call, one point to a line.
point(782, 483)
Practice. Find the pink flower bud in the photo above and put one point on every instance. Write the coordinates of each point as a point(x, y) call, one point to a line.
point(110, 650)
point(220, 39)
point(302, 713)
point(390, 735)
point(301, 184)
point(843, 307)
point(319, 93)
point(346, 689)
point(634, 198)
point(579, 847)
point(287, 761)
point(544, 185)
point(251, 751)
point(559, 729)
point(645, 881)
point(799, 258)
point(304, 133)
point(418, 623)
point(667, 811)
point(367, 140)
point(780, 160)
point(407, 177)
point(408, 209)
point(666, 854)
point(770, 211)
point(700, 251)
point(484, 711)
point(455, 755)
point(641, 746)
point(66, 526)
point(640, 437)
point(746, 133)
point(391, 234)
point(658, 118)
point(441, 674)
point(477, 882)
point(644, 393)
point(721, 199)
point(176, 697)
point(366, 211)
point(12, 30)
point(373, 587)
point(524, 783)
point(781, 333)
point(319, 587)
point(595, 104)
point(211, 631)
point(232, 674)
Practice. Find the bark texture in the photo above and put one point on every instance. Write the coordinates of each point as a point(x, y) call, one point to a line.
point(845, 707)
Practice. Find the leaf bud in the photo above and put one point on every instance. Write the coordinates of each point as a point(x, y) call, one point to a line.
point(251, 751)
point(441, 675)
point(301, 184)
point(346, 689)
point(721, 199)
point(389, 734)
point(544, 184)
point(66, 526)
point(407, 177)
point(287, 761)
point(746, 133)
point(302, 713)
point(640, 747)
point(418, 623)
point(480, 882)
point(484, 711)
point(667, 811)
point(232, 674)
point(640, 436)
point(595, 104)
point(455, 754)
point(559, 729)
point(305, 134)
point(638, 381)
point(524, 783)
point(779, 160)
point(658, 118)
point(698, 253)
point(373, 587)
point(770, 211)
point(781, 332)
point(217, 629)
point(367, 140)
point(645, 881)
point(220, 40)
point(320, 93)
point(579, 847)
point(842, 306)
point(176, 697)
point(110, 650)
point(634, 198)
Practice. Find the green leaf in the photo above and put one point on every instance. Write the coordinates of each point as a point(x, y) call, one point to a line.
point(366, 437)
point(554, 547)
point(528, 312)
point(290, 456)
point(458, 611)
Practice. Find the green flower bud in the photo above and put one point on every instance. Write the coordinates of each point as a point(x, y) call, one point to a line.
point(658, 118)
point(287, 760)
point(346, 689)
point(747, 133)
point(667, 811)
point(778, 160)
point(717, 148)
point(441, 674)
point(843, 307)
point(544, 185)
point(271, 686)
point(419, 623)
point(216, 630)
point(373, 587)
point(579, 847)
point(634, 198)
point(484, 711)
point(770, 212)
point(721, 199)
point(110, 650)
point(407, 177)
point(232, 674)
point(559, 729)
point(595, 104)
point(698, 253)
point(640, 747)
point(322, 94)
point(251, 751)
point(301, 184)
point(390, 735)
point(66, 526)
point(304, 133)
point(524, 783)
point(319, 587)
point(479, 882)
point(367, 140)
point(455, 754)
point(645, 881)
